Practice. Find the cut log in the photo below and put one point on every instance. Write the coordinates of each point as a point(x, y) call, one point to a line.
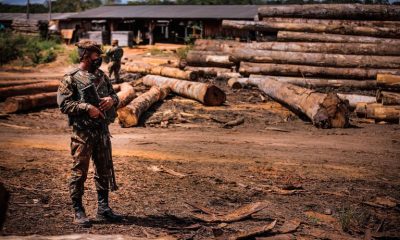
point(315, 59)
point(161, 70)
point(208, 71)
point(237, 83)
point(332, 11)
point(378, 112)
point(311, 47)
point(324, 110)
point(389, 24)
point(30, 102)
point(388, 81)
point(33, 88)
point(10, 83)
point(354, 99)
point(207, 94)
point(129, 115)
point(334, 38)
point(125, 95)
point(313, 28)
point(323, 83)
point(388, 98)
point(200, 60)
point(247, 68)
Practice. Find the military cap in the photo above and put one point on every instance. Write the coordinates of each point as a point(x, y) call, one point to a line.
point(89, 45)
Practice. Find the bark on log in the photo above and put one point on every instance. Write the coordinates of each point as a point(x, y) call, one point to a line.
point(311, 47)
point(334, 38)
point(208, 71)
point(378, 112)
point(315, 59)
point(323, 83)
point(33, 88)
point(354, 99)
point(200, 60)
point(388, 98)
point(237, 83)
point(129, 115)
point(11, 83)
point(324, 110)
point(368, 23)
point(247, 68)
point(313, 28)
point(30, 102)
point(125, 95)
point(333, 11)
point(161, 70)
point(207, 94)
point(388, 81)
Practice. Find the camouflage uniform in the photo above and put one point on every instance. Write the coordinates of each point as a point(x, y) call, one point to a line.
point(115, 54)
point(87, 132)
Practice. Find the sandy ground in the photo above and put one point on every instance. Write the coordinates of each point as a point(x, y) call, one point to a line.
point(340, 183)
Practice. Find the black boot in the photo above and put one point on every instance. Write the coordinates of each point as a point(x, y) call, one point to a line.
point(104, 212)
point(80, 217)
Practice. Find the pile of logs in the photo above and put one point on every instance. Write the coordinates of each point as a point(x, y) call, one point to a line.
point(316, 46)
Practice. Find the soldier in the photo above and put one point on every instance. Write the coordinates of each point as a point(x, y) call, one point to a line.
point(115, 54)
point(88, 130)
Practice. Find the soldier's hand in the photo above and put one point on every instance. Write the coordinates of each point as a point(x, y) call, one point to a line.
point(94, 112)
point(106, 103)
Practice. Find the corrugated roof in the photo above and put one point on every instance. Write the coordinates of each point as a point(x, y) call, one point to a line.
point(171, 11)
point(36, 16)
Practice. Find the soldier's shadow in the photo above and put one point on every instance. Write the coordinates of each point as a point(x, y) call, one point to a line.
point(156, 221)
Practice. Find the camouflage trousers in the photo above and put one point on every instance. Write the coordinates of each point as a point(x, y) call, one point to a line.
point(114, 67)
point(86, 145)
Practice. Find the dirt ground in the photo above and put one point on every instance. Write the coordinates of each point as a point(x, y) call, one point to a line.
point(339, 183)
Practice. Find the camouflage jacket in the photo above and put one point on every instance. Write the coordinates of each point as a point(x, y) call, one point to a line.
point(69, 97)
point(115, 54)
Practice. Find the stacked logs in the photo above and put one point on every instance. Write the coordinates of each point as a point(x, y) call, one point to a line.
point(317, 45)
point(30, 26)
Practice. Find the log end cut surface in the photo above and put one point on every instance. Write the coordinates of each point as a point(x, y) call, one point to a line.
point(333, 113)
point(214, 96)
point(126, 118)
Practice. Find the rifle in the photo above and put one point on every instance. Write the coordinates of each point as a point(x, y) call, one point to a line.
point(90, 95)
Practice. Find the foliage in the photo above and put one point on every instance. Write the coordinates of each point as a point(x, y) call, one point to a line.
point(28, 50)
point(73, 56)
point(183, 51)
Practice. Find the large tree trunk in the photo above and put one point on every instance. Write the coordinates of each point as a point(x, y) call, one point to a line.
point(312, 27)
point(315, 59)
point(310, 47)
point(207, 94)
point(388, 98)
point(247, 68)
point(125, 95)
point(30, 102)
point(378, 112)
point(354, 99)
point(161, 70)
point(11, 83)
point(388, 81)
point(129, 115)
point(332, 11)
point(360, 23)
point(309, 82)
point(208, 71)
point(324, 110)
point(338, 38)
point(205, 60)
point(33, 88)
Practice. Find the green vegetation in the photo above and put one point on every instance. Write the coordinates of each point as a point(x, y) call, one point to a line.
point(27, 50)
point(183, 51)
point(73, 56)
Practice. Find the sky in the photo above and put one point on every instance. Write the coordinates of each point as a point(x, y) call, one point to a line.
point(22, 2)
